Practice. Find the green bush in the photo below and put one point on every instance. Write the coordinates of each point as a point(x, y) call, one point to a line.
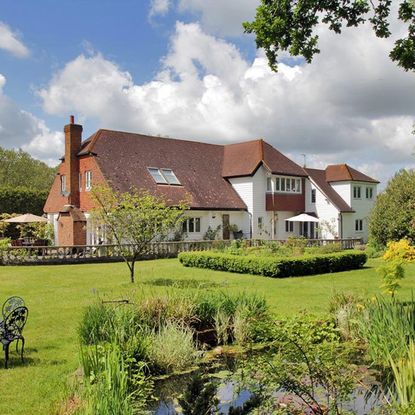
point(275, 267)
point(22, 200)
point(324, 249)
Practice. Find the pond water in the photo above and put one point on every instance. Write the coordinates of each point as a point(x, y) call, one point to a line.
point(362, 401)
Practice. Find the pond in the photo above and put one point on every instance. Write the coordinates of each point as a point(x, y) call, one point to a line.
point(368, 396)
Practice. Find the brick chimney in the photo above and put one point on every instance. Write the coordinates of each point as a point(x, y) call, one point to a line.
point(73, 139)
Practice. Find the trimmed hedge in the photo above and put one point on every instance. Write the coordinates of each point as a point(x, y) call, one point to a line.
point(275, 267)
point(22, 200)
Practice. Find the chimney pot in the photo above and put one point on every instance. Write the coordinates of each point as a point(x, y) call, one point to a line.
point(72, 119)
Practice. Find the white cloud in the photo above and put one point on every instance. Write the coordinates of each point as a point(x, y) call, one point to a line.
point(159, 7)
point(351, 105)
point(9, 41)
point(221, 17)
point(20, 129)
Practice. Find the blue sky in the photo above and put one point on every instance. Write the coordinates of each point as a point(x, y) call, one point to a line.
point(184, 68)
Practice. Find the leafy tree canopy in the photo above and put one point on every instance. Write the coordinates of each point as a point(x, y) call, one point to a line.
point(288, 25)
point(19, 169)
point(393, 216)
point(133, 220)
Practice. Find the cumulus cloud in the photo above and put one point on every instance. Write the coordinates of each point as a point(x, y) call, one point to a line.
point(351, 105)
point(9, 41)
point(20, 129)
point(159, 7)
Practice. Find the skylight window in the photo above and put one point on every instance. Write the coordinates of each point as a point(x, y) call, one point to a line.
point(170, 176)
point(163, 176)
point(157, 176)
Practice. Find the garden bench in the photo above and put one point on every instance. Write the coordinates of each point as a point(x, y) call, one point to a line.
point(11, 327)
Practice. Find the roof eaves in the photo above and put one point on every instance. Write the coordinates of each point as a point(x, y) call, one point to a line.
point(328, 197)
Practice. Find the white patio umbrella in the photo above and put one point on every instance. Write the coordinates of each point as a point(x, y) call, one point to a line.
point(26, 218)
point(303, 217)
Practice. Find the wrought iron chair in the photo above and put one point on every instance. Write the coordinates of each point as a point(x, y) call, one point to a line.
point(10, 304)
point(12, 330)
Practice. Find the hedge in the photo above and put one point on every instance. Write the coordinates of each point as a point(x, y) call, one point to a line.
point(275, 267)
point(22, 200)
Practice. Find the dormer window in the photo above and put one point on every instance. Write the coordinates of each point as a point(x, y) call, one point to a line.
point(163, 176)
point(287, 185)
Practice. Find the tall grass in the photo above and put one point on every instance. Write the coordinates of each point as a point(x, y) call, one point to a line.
point(106, 376)
point(172, 349)
point(404, 377)
point(387, 326)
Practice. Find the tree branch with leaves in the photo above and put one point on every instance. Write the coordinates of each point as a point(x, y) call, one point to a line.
point(289, 25)
point(134, 219)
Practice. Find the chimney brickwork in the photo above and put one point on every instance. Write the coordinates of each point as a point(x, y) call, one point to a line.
point(73, 139)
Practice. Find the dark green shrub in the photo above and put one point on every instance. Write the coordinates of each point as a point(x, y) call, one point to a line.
point(22, 200)
point(275, 267)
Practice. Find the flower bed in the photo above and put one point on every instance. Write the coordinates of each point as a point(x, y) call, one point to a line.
point(275, 267)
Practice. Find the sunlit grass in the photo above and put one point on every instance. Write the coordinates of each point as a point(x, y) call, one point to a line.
point(56, 296)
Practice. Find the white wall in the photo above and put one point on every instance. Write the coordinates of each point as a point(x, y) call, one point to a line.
point(53, 220)
point(328, 212)
point(213, 219)
point(362, 208)
point(252, 191)
point(325, 210)
point(344, 189)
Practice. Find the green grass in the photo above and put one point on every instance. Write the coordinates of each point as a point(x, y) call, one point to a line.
point(56, 296)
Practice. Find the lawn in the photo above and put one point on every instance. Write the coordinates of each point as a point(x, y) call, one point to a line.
point(56, 295)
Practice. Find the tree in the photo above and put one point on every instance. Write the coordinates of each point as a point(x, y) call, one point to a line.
point(289, 25)
point(134, 219)
point(393, 215)
point(19, 169)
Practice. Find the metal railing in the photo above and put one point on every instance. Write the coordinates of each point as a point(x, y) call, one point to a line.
point(112, 253)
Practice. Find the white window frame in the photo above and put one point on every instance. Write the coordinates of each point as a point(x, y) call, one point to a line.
point(313, 195)
point(358, 225)
point(269, 184)
point(63, 183)
point(168, 174)
point(192, 223)
point(289, 226)
point(369, 192)
point(357, 192)
point(164, 176)
point(88, 180)
point(288, 184)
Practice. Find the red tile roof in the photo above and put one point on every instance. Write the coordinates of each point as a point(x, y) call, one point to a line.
point(201, 168)
point(343, 172)
point(319, 178)
point(124, 158)
point(243, 159)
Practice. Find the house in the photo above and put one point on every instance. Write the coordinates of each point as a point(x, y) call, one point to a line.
point(249, 186)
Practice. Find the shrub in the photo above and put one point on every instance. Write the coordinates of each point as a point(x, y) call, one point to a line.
point(297, 245)
point(324, 249)
point(401, 250)
point(275, 267)
point(391, 274)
